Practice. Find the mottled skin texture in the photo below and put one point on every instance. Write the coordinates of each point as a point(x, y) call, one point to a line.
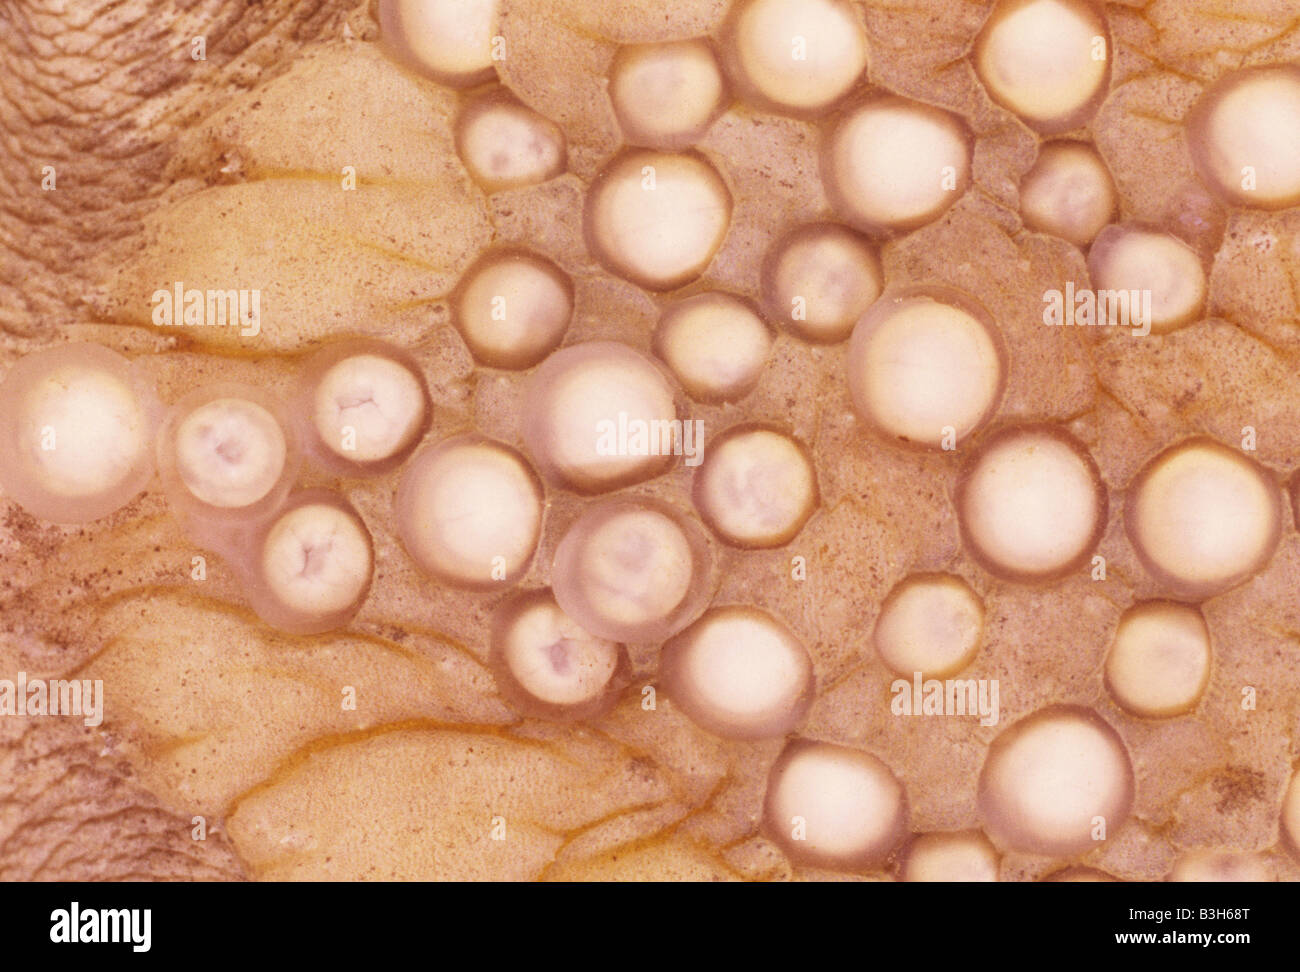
point(168, 168)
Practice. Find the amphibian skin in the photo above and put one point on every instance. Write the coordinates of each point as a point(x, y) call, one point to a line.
point(692, 440)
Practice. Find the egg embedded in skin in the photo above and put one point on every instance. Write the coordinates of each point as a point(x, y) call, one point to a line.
point(1159, 661)
point(1031, 504)
point(657, 218)
point(1203, 518)
point(600, 415)
point(891, 165)
point(666, 95)
point(1057, 782)
point(363, 407)
point(1068, 193)
point(469, 512)
point(715, 344)
point(926, 366)
point(1244, 134)
point(834, 806)
point(549, 665)
point(227, 457)
point(967, 856)
point(757, 486)
point(1048, 61)
point(795, 56)
point(310, 568)
point(512, 308)
point(1157, 280)
point(504, 144)
point(740, 673)
point(76, 431)
point(929, 623)
point(450, 41)
point(633, 569)
point(819, 279)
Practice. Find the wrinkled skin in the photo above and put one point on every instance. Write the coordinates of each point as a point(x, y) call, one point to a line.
point(170, 168)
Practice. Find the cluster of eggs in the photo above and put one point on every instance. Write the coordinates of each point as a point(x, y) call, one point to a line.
point(926, 368)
